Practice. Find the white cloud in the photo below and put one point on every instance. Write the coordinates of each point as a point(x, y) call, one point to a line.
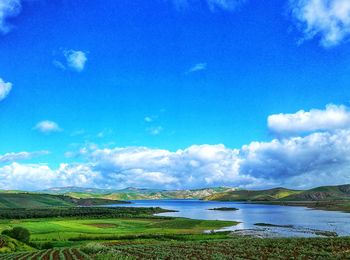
point(298, 162)
point(38, 176)
point(318, 158)
point(213, 5)
point(75, 59)
point(198, 165)
point(322, 158)
point(5, 88)
point(225, 4)
point(13, 157)
point(47, 126)
point(198, 67)
point(329, 20)
point(8, 8)
point(148, 119)
point(333, 117)
point(59, 64)
point(155, 130)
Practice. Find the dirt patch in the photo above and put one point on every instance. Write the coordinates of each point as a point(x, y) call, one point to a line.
point(103, 225)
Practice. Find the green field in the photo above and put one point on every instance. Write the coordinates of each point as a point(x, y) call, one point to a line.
point(64, 229)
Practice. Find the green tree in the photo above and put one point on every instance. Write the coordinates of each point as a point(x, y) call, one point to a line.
point(19, 233)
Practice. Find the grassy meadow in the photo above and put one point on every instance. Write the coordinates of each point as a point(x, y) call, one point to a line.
point(57, 229)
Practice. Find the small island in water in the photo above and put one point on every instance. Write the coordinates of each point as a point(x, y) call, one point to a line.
point(224, 209)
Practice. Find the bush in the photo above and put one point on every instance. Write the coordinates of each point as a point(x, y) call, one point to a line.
point(94, 248)
point(19, 233)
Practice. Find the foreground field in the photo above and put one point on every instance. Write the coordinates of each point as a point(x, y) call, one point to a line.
point(229, 248)
point(135, 233)
point(234, 249)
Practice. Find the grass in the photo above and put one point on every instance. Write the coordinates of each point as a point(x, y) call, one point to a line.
point(27, 200)
point(8, 244)
point(56, 229)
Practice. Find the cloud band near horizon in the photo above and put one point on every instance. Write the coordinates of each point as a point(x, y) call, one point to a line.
point(321, 157)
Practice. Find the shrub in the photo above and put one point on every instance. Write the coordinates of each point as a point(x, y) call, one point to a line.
point(19, 233)
point(93, 248)
point(41, 245)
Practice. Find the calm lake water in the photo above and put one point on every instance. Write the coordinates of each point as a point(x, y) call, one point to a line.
point(305, 221)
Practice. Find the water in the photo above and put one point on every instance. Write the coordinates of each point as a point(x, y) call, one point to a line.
point(304, 220)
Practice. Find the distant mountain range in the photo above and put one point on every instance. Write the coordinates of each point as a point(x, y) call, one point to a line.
point(132, 193)
point(324, 193)
point(94, 196)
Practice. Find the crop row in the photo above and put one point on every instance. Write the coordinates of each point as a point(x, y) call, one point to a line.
point(50, 254)
point(239, 249)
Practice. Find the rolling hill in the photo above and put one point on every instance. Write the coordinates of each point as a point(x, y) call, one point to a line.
point(324, 193)
point(33, 200)
point(253, 195)
point(136, 193)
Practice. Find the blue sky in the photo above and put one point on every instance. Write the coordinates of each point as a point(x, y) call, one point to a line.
point(84, 80)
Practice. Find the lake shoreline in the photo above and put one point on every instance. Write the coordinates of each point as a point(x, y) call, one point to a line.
point(279, 217)
point(340, 206)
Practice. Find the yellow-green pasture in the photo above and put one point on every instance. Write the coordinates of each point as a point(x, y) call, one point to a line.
point(60, 229)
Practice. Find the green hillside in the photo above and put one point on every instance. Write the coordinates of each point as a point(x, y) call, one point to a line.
point(135, 193)
point(324, 193)
point(33, 200)
point(253, 195)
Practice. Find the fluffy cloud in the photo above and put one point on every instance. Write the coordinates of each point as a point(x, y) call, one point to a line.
point(285, 161)
point(327, 19)
point(5, 88)
point(47, 126)
point(198, 165)
point(333, 117)
point(72, 59)
point(76, 59)
point(299, 162)
point(37, 176)
point(12, 157)
point(317, 158)
point(8, 8)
